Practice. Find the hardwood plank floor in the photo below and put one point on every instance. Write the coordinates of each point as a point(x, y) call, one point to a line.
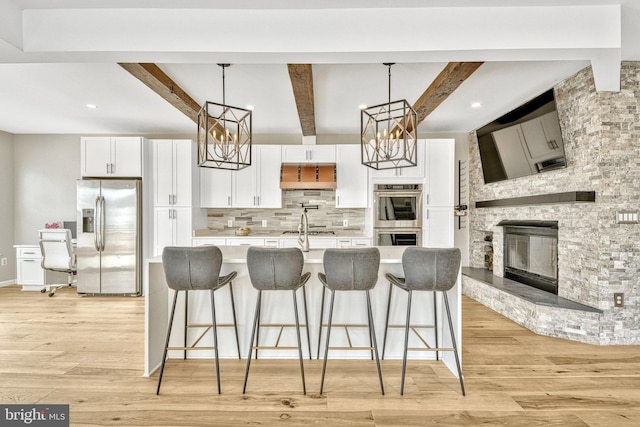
point(88, 352)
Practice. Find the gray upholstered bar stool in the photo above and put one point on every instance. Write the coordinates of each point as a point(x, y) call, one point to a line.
point(191, 269)
point(275, 269)
point(350, 269)
point(427, 269)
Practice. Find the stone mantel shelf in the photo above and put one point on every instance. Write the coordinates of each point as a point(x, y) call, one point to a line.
point(552, 198)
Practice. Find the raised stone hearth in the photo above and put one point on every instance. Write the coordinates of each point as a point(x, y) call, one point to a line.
point(537, 310)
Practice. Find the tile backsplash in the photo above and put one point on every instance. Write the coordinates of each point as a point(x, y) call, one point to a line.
point(325, 217)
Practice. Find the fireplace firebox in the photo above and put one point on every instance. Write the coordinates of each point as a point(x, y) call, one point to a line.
point(531, 253)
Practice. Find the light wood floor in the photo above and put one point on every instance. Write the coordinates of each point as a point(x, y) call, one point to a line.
point(88, 352)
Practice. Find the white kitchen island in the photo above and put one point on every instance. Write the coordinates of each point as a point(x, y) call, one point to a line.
point(350, 307)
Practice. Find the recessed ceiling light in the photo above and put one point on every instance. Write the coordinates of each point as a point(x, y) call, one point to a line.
point(476, 105)
point(362, 106)
point(250, 107)
point(92, 106)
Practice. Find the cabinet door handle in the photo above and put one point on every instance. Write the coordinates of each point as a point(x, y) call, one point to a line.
point(108, 168)
point(29, 253)
point(427, 214)
point(169, 213)
point(427, 198)
point(258, 201)
point(228, 200)
point(169, 198)
point(28, 260)
point(113, 168)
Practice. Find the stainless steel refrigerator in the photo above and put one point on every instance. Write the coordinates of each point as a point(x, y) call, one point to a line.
point(109, 236)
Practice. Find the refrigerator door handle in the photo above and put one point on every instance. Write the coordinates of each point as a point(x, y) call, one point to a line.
point(96, 231)
point(102, 223)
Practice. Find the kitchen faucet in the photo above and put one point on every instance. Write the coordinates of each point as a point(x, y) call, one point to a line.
point(303, 231)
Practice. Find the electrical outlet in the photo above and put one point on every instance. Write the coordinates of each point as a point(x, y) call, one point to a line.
point(264, 223)
point(345, 223)
point(3, 261)
point(618, 299)
point(229, 223)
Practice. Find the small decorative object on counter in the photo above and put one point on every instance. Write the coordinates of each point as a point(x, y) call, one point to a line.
point(243, 231)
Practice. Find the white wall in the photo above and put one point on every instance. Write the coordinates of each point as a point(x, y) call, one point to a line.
point(7, 272)
point(46, 168)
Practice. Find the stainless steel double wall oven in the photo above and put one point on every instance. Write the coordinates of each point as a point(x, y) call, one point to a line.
point(397, 214)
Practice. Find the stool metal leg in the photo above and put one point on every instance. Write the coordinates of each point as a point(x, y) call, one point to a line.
point(295, 310)
point(453, 341)
point(326, 348)
point(321, 318)
point(166, 343)
point(215, 337)
point(258, 329)
point(253, 340)
point(186, 322)
point(435, 322)
point(386, 323)
point(235, 323)
point(406, 342)
point(372, 335)
point(306, 317)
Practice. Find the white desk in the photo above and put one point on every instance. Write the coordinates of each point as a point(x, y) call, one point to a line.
point(350, 307)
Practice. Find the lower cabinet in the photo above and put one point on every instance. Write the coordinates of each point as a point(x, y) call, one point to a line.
point(29, 272)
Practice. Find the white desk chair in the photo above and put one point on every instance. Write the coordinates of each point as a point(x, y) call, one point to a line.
point(57, 255)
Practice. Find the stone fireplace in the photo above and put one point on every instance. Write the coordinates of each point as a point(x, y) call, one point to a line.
point(596, 255)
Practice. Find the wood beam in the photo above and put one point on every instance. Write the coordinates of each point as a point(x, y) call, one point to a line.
point(449, 79)
point(301, 76)
point(152, 76)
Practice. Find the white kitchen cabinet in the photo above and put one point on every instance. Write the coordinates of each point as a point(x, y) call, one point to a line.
point(440, 161)
point(209, 241)
point(172, 172)
point(510, 144)
point(111, 157)
point(308, 154)
point(258, 186)
point(438, 227)
point(175, 187)
point(29, 272)
point(244, 241)
point(543, 137)
point(172, 226)
point(215, 188)
point(344, 243)
point(413, 172)
point(352, 178)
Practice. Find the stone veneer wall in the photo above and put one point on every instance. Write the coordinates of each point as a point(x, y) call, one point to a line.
point(326, 217)
point(596, 256)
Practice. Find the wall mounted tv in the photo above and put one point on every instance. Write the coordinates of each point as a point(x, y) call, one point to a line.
point(525, 141)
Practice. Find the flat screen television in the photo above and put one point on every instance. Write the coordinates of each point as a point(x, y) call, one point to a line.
point(525, 141)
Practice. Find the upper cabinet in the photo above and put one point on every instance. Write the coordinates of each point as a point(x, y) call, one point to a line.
point(352, 178)
point(255, 186)
point(111, 157)
point(413, 172)
point(215, 188)
point(440, 161)
point(172, 172)
point(308, 154)
point(258, 186)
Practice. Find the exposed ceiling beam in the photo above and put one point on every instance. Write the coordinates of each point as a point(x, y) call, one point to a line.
point(152, 76)
point(301, 76)
point(449, 79)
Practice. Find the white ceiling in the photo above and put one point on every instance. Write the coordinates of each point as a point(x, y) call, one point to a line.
point(58, 56)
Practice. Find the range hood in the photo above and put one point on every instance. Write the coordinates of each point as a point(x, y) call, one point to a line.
point(307, 176)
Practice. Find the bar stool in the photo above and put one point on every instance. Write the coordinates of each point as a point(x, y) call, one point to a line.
point(427, 269)
point(350, 269)
point(275, 269)
point(187, 269)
